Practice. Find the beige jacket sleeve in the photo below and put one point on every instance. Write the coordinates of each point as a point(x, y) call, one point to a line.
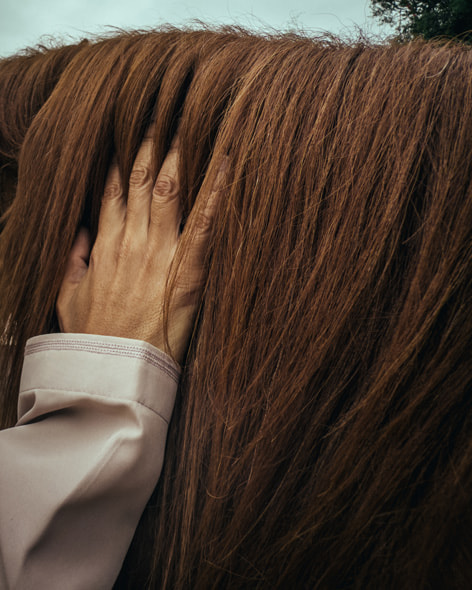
point(78, 468)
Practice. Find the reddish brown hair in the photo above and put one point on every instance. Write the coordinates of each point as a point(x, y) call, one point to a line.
point(322, 436)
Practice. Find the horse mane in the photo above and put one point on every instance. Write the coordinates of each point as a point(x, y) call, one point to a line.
point(322, 432)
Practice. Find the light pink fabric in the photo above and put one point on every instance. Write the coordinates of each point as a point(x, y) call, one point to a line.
point(80, 465)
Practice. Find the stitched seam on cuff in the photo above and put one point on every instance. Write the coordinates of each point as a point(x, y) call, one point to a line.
point(123, 350)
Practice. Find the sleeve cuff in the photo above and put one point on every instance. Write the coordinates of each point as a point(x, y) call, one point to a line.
point(108, 366)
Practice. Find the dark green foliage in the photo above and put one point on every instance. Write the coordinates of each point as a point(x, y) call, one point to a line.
point(426, 18)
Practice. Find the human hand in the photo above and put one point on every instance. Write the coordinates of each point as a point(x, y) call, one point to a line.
point(118, 288)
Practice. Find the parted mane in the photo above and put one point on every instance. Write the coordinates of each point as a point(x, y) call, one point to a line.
point(322, 436)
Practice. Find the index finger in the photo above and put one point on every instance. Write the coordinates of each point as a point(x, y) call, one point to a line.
point(113, 207)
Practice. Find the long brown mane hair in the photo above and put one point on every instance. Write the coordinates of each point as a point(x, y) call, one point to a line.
point(322, 437)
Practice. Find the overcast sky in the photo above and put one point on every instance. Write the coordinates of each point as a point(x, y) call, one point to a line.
point(24, 22)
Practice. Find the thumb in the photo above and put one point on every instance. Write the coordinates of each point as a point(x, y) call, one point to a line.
point(75, 270)
point(77, 263)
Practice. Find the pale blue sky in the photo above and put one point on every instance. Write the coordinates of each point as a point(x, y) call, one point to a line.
point(24, 22)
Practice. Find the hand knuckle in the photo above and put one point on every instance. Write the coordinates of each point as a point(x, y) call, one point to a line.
point(112, 191)
point(149, 258)
point(125, 249)
point(139, 176)
point(166, 188)
point(202, 222)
